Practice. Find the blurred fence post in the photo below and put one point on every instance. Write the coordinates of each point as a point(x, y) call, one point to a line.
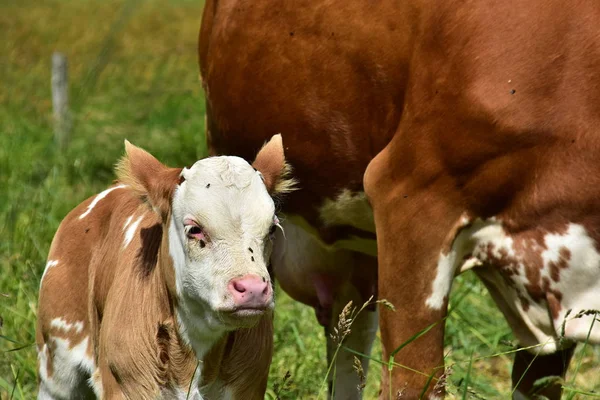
point(60, 100)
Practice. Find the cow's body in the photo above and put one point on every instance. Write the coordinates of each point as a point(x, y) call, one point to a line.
point(127, 310)
point(479, 125)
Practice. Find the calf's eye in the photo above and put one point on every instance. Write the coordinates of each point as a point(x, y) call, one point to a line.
point(195, 232)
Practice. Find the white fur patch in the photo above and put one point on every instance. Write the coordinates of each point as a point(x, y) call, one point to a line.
point(127, 222)
point(486, 241)
point(99, 197)
point(348, 209)
point(70, 365)
point(129, 234)
point(360, 245)
point(351, 209)
point(579, 282)
point(63, 325)
point(43, 363)
point(49, 264)
point(446, 268)
point(443, 280)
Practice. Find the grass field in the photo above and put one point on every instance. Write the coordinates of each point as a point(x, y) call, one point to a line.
point(133, 74)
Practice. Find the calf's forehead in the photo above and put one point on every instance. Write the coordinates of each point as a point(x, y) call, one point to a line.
point(225, 190)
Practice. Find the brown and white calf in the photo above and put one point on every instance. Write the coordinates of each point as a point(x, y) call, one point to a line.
point(472, 127)
point(160, 283)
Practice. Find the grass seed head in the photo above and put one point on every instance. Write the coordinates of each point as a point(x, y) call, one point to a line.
point(343, 327)
point(361, 374)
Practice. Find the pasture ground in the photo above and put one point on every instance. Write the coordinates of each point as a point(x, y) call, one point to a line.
point(133, 73)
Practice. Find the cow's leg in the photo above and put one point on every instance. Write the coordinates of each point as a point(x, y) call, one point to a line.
point(415, 230)
point(344, 379)
point(528, 368)
point(327, 279)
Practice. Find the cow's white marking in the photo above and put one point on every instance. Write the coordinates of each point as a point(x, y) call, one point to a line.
point(62, 324)
point(127, 222)
point(447, 266)
point(99, 197)
point(49, 264)
point(351, 209)
point(348, 209)
point(443, 280)
point(361, 245)
point(131, 231)
point(579, 282)
point(486, 241)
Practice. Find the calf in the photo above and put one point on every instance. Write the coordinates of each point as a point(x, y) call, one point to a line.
point(160, 283)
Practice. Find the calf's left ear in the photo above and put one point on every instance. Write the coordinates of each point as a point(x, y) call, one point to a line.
point(270, 161)
point(148, 178)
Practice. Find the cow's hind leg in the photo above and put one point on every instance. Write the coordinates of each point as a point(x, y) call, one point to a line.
point(527, 369)
point(344, 380)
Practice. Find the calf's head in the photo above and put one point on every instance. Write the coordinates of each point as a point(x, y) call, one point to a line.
point(218, 223)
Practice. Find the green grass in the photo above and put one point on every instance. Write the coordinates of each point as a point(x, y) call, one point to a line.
point(133, 73)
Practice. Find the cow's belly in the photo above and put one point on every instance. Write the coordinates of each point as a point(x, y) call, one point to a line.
point(310, 270)
point(544, 282)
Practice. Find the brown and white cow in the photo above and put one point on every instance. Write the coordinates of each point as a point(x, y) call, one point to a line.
point(160, 283)
point(476, 127)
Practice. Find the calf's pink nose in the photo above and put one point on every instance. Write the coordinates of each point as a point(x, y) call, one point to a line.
point(250, 291)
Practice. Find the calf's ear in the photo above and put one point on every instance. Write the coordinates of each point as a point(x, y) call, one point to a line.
point(148, 178)
point(270, 161)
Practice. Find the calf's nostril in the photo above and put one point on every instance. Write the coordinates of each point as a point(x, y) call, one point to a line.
point(239, 287)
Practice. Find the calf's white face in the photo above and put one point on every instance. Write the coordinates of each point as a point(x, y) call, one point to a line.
point(220, 233)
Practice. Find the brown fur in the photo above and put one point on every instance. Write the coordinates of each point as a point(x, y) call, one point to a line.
point(452, 108)
point(241, 351)
point(150, 180)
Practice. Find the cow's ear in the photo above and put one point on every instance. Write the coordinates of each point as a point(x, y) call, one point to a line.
point(270, 161)
point(148, 178)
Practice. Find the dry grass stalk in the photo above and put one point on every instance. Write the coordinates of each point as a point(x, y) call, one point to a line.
point(361, 374)
point(343, 327)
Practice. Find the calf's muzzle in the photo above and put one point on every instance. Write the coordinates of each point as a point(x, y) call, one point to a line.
point(251, 292)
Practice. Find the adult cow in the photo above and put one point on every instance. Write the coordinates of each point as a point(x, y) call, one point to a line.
point(159, 284)
point(475, 125)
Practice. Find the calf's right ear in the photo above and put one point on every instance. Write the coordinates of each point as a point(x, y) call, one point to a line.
point(270, 161)
point(148, 178)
